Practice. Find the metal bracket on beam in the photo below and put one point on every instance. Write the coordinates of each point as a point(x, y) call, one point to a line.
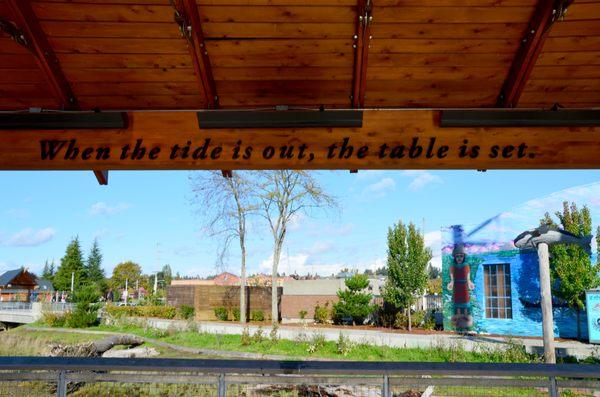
point(11, 29)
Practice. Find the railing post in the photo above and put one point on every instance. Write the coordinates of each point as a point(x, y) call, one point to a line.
point(222, 388)
point(61, 387)
point(385, 388)
point(552, 388)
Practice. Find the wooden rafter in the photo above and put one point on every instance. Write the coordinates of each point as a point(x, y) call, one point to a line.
point(188, 18)
point(546, 13)
point(101, 176)
point(362, 38)
point(26, 20)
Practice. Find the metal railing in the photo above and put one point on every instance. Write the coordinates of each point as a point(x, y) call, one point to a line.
point(228, 377)
point(58, 306)
point(9, 306)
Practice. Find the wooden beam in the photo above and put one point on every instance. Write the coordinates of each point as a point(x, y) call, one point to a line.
point(388, 139)
point(47, 61)
point(101, 176)
point(362, 40)
point(227, 173)
point(188, 18)
point(545, 14)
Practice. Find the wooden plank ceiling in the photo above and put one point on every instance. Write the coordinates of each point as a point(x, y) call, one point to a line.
point(119, 54)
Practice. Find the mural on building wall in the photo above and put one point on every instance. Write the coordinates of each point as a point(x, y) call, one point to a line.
point(490, 286)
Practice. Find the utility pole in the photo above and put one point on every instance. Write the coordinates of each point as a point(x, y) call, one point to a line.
point(126, 291)
point(72, 281)
point(155, 282)
point(546, 302)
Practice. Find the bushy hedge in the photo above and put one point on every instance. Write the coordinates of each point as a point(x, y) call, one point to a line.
point(168, 312)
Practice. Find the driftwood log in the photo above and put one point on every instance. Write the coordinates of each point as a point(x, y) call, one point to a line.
point(94, 348)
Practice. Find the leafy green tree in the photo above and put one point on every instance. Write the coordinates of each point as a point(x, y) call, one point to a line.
point(93, 267)
point(71, 263)
point(407, 267)
point(571, 267)
point(129, 271)
point(353, 302)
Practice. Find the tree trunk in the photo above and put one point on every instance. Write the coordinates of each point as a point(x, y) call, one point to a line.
point(243, 308)
point(409, 320)
point(94, 349)
point(274, 300)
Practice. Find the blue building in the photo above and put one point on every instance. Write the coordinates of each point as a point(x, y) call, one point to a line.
point(503, 293)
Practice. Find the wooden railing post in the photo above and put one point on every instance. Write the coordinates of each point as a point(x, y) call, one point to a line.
point(385, 388)
point(552, 388)
point(222, 387)
point(61, 387)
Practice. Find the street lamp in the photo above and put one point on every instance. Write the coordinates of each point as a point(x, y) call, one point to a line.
point(540, 239)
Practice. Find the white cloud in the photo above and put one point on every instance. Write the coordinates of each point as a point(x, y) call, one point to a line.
point(101, 208)
point(369, 174)
point(295, 222)
point(420, 179)
point(379, 189)
point(101, 233)
point(30, 238)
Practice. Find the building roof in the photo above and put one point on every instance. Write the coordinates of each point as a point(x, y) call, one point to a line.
point(8, 276)
point(44, 285)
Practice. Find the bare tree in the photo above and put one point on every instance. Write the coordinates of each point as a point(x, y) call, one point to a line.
point(283, 195)
point(225, 203)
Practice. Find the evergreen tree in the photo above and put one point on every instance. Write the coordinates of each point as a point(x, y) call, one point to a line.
point(71, 263)
point(353, 302)
point(167, 274)
point(93, 267)
point(407, 267)
point(48, 271)
point(571, 268)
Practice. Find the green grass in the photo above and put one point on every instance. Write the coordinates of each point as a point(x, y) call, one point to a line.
point(325, 349)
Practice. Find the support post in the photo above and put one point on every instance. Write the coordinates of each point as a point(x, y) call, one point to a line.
point(101, 176)
point(222, 387)
point(61, 387)
point(546, 302)
point(385, 388)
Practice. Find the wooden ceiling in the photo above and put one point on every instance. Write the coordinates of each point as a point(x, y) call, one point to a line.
point(119, 54)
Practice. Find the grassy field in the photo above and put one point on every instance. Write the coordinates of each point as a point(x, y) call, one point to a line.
point(314, 345)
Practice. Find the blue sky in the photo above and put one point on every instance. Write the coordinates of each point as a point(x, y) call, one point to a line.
point(148, 217)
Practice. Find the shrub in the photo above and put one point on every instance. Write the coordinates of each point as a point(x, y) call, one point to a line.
point(343, 345)
point(353, 303)
point(322, 314)
point(418, 319)
point(316, 342)
point(257, 315)
point(259, 335)
point(186, 312)
point(54, 319)
point(168, 312)
point(246, 339)
point(273, 335)
point(302, 314)
point(236, 314)
point(221, 313)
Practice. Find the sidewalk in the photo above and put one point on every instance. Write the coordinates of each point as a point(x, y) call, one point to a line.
point(391, 339)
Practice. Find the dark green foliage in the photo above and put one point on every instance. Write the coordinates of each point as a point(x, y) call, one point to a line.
point(353, 303)
point(71, 263)
point(221, 313)
point(186, 312)
point(167, 312)
point(93, 267)
point(322, 314)
point(86, 309)
point(48, 272)
point(302, 314)
point(407, 266)
point(571, 267)
point(167, 274)
point(129, 271)
point(236, 314)
point(257, 315)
